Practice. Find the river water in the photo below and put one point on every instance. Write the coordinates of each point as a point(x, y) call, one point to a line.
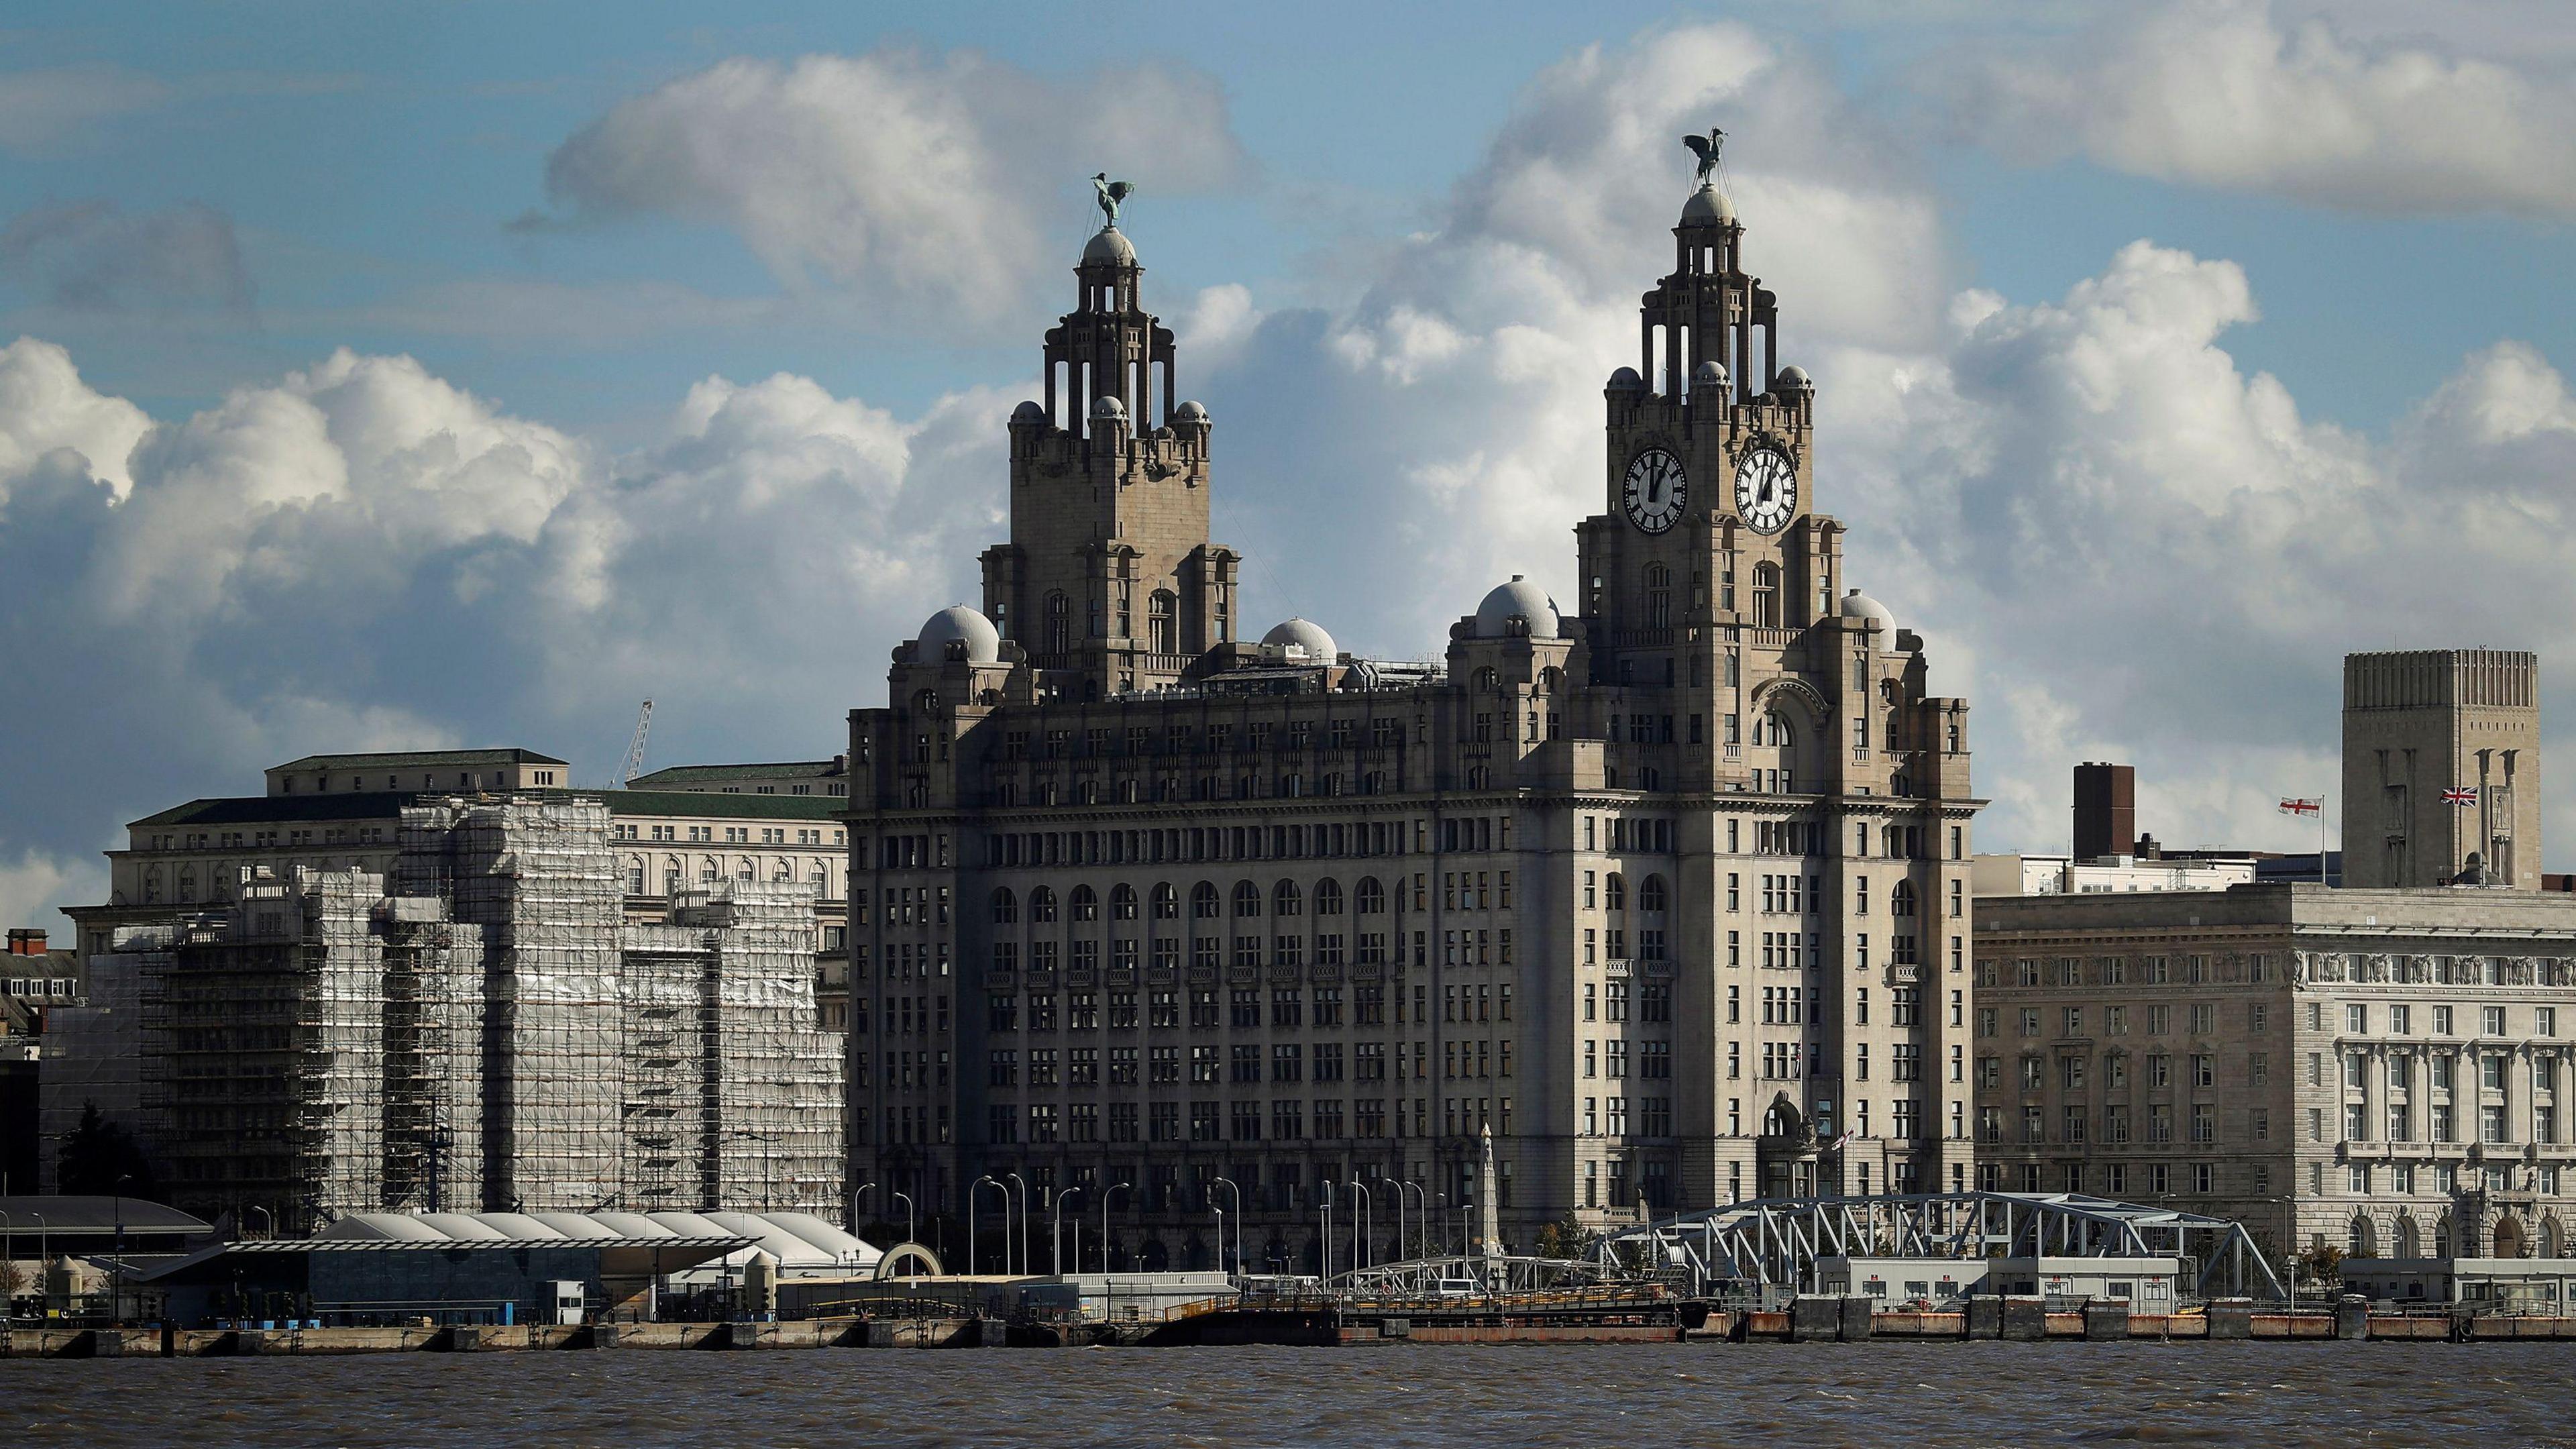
point(1888, 1396)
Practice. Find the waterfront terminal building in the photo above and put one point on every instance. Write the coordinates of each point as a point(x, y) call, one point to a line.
point(1665, 886)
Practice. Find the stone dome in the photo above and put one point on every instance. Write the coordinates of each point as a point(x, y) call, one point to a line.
point(1710, 373)
point(953, 624)
point(1708, 204)
point(1627, 380)
point(1857, 605)
point(1795, 379)
point(1109, 245)
point(1028, 412)
point(1518, 599)
point(1189, 412)
point(1107, 406)
point(1302, 634)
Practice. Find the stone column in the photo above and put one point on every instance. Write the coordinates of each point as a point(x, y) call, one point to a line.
point(2561, 1108)
point(2517, 1094)
point(2374, 1093)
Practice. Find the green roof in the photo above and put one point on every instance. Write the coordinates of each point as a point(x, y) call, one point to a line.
point(785, 770)
point(413, 759)
point(387, 805)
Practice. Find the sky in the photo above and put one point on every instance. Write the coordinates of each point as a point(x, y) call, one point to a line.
point(463, 375)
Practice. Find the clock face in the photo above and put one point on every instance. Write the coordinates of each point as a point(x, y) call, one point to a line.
point(1766, 489)
point(1654, 490)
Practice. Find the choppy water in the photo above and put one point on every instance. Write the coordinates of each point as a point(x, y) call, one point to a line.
point(1889, 1396)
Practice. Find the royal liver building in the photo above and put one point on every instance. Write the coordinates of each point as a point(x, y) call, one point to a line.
point(1666, 892)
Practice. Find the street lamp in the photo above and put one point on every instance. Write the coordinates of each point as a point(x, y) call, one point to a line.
point(1055, 1231)
point(911, 1224)
point(1107, 1193)
point(1220, 1236)
point(970, 1224)
point(1324, 1244)
point(1022, 1213)
point(1237, 1190)
point(1437, 1220)
point(1400, 1252)
point(272, 1217)
point(1359, 1226)
point(857, 1198)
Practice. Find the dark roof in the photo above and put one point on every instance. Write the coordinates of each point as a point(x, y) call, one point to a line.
point(784, 770)
point(99, 1215)
point(386, 805)
point(633, 1254)
point(412, 759)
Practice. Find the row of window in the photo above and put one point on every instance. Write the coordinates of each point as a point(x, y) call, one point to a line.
point(2153, 1020)
point(1286, 1120)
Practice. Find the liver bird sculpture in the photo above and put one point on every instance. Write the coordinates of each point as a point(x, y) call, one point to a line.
point(1111, 194)
point(1706, 149)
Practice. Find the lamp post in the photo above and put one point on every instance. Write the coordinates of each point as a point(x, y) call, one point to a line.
point(857, 1198)
point(1024, 1218)
point(1400, 1253)
point(272, 1217)
point(911, 1224)
point(1359, 1226)
point(1055, 1230)
point(1324, 1244)
point(1220, 1236)
point(1106, 1194)
point(970, 1224)
point(1437, 1220)
point(1237, 1190)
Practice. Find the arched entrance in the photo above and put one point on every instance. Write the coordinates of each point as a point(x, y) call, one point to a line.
point(2509, 1239)
point(2364, 1240)
point(2409, 1238)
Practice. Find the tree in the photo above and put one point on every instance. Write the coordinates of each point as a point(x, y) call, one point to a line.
point(1566, 1238)
point(100, 1158)
point(2322, 1263)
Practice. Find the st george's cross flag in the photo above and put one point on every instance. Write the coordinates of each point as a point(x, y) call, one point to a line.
point(2460, 795)
point(2302, 807)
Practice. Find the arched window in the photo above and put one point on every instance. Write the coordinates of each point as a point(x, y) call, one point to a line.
point(1488, 680)
point(1247, 899)
point(783, 872)
point(1167, 902)
point(1372, 897)
point(1059, 623)
point(1766, 595)
point(706, 870)
point(1086, 906)
point(1203, 902)
point(1042, 906)
point(1900, 901)
point(744, 869)
point(2363, 1241)
point(2408, 1238)
point(1122, 903)
point(1614, 893)
point(1161, 616)
point(1772, 728)
point(1328, 898)
point(1650, 895)
point(1285, 901)
point(821, 873)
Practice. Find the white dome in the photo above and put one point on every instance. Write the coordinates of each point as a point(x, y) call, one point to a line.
point(954, 623)
point(1110, 245)
point(1519, 599)
point(1189, 412)
point(1708, 204)
point(1107, 406)
point(1626, 380)
point(1857, 605)
point(1793, 378)
point(1708, 374)
point(1302, 634)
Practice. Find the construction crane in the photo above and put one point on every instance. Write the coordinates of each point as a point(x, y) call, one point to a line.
point(634, 764)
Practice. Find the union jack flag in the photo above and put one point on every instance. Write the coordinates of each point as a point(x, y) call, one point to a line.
point(2460, 796)
point(2302, 807)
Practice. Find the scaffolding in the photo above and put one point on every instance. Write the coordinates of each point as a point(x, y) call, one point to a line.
point(491, 1035)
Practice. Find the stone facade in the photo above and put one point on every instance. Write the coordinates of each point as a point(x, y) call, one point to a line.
point(1671, 895)
point(2384, 1071)
point(2420, 723)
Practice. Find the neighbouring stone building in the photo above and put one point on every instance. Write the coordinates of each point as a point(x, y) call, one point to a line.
point(1668, 889)
point(2386, 1071)
point(480, 1027)
point(678, 832)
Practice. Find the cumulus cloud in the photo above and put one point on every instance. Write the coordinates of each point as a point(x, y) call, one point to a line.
point(908, 177)
point(2225, 93)
point(94, 256)
point(361, 554)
